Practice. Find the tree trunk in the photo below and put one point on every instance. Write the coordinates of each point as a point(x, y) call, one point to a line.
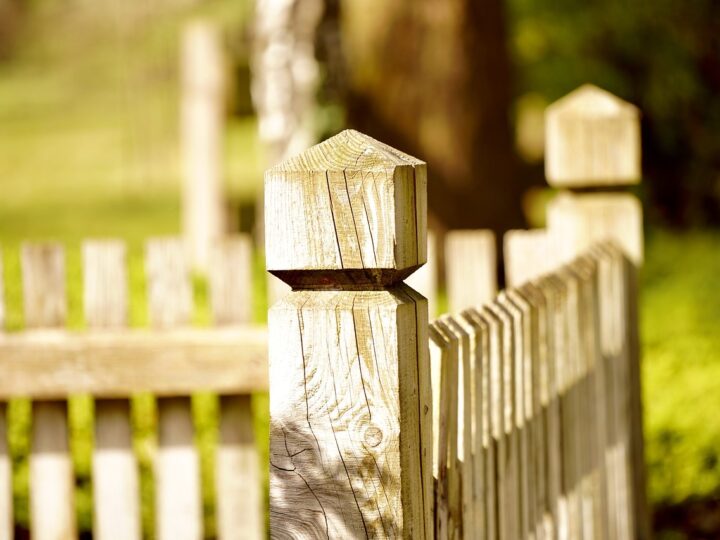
point(433, 78)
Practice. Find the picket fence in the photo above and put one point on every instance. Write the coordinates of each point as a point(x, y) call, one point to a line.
point(520, 418)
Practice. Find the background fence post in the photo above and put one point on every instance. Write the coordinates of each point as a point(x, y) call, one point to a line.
point(202, 113)
point(52, 483)
point(593, 147)
point(350, 411)
point(116, 484)
point(470, 268)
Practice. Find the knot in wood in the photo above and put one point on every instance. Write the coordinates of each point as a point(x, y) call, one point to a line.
point(373, 436)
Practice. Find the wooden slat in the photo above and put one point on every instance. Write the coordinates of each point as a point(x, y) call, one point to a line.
point(444, 391)
point(116, 492)
point(237, 469)
point(237, 478)
point(51, 364)
point(526, 414)
point(527, 255)
point(465, 418)
point(481, 482)
point(52, 486)
point(470, 268)
point(230, 280)
point(425, 279)
point(6, 508)
point(178, 507)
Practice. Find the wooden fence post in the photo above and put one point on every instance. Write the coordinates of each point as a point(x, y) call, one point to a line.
point(202, 122)
point(593, 142)
point(52, 485)
point(350, 410)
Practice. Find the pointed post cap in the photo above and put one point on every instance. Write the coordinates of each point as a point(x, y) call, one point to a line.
point(592, 139)
point(350, 212)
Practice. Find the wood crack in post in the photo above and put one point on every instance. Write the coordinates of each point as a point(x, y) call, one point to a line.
point(332, 213)
point(347, 474)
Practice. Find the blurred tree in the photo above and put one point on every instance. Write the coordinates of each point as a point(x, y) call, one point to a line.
point(664, 56)
point(11, 12)
point(433, 77)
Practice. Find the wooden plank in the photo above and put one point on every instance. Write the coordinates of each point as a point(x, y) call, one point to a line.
point(528, 255)
point(178, 504)
point(238, 488)
point(47, 364)
point(346, 223)
point(52, 486)
point(555, 336)
point(239, 497)
point(6, 499)
point(509, 504)
point(425, 279)
point(444, 377)
point(461, 337)
point(592, 139)
point(202, 124)
point(576, 221)
point(482, 484)
point(470, 268)
point(116, 491)
point(230, 280)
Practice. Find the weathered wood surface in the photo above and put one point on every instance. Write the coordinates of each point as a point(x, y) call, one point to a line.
point(116, 489)
point(202, 115)
point(344, 378)
point(52, 486)
point(350, 411)
point(51, 364)
point(178, 508)
point(425, 279)
point(592, 139)
point(6, 501)
point(238, 485)
point(470, 268)
point(577, 221)
point(528, 254)
point(350, 210)
point(444, 366)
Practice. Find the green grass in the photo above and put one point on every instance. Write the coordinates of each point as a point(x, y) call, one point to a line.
point(681, 371)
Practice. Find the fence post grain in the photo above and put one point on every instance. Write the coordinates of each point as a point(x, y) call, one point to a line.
point(178, 507)
point(202, 113)
point(116, 487)
point(52, 485)
point(350, 411)
point(593, 143)
point(237, 468)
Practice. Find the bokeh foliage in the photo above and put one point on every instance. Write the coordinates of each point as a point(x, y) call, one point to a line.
point(664, 56)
